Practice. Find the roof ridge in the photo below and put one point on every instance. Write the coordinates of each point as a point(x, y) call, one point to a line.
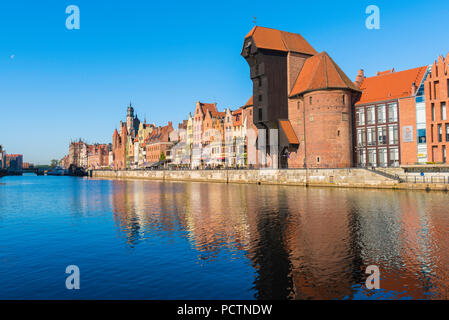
point(325, 70)
point(314, 73)
point(283, 39)
point(337, 68)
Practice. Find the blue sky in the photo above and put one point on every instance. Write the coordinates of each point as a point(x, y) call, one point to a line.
point(57, 84)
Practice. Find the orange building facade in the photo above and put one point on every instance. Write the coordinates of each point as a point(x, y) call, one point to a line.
point(390, 121)
point(437, 100)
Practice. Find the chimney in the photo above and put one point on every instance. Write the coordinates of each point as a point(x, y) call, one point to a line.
point(359, 78)
point(414, 88)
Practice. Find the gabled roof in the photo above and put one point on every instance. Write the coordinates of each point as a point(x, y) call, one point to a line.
point(272, 39)
point(237, 117)
point(321, 72)
point(249, 103)
point(208, 107)
point(390, 86)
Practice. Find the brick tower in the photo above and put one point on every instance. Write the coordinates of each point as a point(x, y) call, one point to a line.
point(303, 94)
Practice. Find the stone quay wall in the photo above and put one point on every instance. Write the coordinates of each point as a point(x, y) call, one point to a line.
point(351, 177)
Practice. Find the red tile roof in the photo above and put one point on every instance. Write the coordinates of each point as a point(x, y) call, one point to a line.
point(237, 117)
point(381, 73)
point(321, 72)
point(208, 107)
point(249, 103)
point(272, 39)
point(390, 86)
point(286, 126)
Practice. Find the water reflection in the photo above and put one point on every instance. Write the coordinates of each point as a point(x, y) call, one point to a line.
point(302, 243)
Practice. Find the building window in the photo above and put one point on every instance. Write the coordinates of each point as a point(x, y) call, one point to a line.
point(436, 89)
point(259, 81)
point(393, 134)
point(361, 137)
point(372, 157)
point(431, 133)
point(371, 136)
point(310, 100)
point(381, 114)
point(433, 112)
point(444, 153)
point(440, 133)
point(370, 116)
point(260, 98)
point(443, 111)
point(383, 159)
point(430, 89)
point(362, 157)
point(422, 136)
point(344, 116)
point(360, 116)
point(260, 113)
point(394, 157)
point(447, 132)
point(298, 105)
point(382, 135)
point(393, 112)
point(343, 99)
point(317, 159)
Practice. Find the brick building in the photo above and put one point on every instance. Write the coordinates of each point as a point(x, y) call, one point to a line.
point(14, 162)
point(437, 100)
point(77, 154)
point(198, 129)
point(157, 144)
point(390, 121)
point(98, 155)
point(119, 146)
point(250, 135)
point(302, 102)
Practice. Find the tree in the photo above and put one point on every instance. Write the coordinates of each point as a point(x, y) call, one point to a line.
point(54, 163)
point(162, 156)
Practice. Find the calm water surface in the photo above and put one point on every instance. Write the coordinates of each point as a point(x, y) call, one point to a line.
point(160, 240)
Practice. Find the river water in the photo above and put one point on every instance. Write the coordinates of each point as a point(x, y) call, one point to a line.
point(169, 240)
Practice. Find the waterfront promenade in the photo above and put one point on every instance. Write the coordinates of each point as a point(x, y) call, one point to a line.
point(344, 178)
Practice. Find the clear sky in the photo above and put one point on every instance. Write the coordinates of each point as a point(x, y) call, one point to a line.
point(57, 85)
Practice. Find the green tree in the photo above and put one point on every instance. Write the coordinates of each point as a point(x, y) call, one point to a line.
point(54, 163)
point(162, 156)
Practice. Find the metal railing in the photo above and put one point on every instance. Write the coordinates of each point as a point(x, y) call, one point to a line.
point(426, 179)
point(384, 174)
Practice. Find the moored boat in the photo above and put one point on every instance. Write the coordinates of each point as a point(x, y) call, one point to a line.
point(58, 171)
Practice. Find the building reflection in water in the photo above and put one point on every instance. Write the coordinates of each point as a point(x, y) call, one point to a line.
point(303, 243)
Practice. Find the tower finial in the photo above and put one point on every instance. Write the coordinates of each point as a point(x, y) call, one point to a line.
point(255, 21)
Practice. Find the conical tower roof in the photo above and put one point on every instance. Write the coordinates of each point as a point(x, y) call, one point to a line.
point(320, 72)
